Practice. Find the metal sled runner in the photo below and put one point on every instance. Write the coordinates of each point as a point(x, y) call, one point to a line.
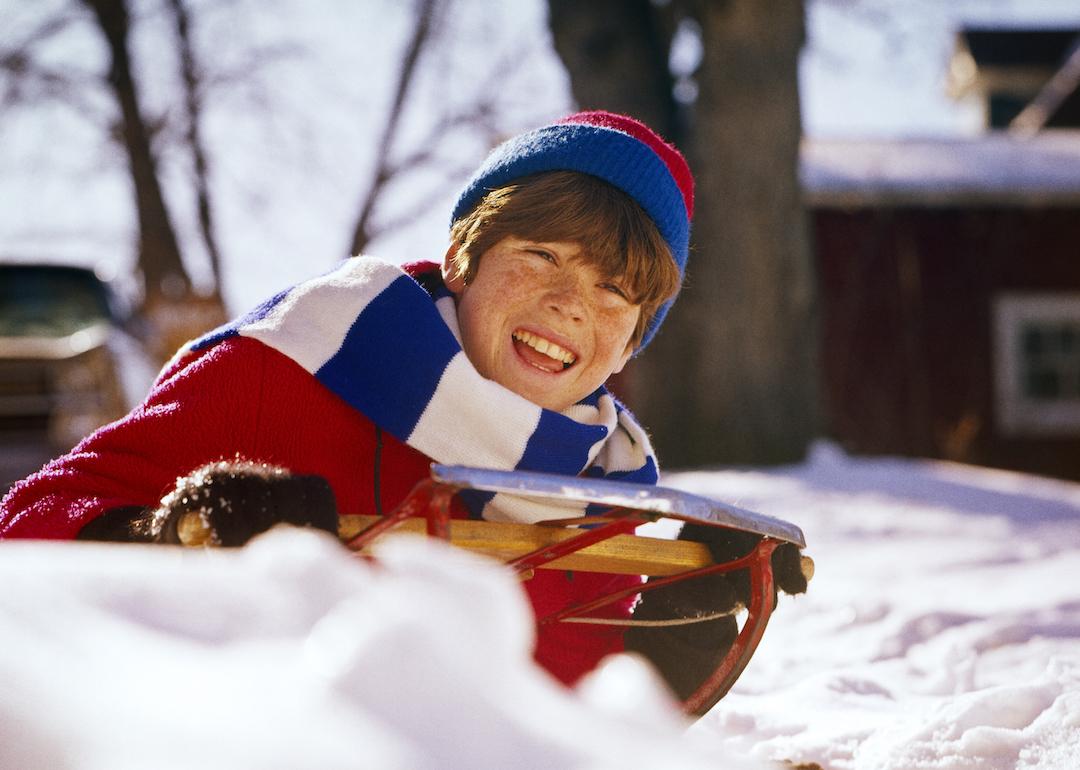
point(607, 544)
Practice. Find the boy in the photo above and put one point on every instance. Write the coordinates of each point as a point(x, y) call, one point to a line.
point(567, 248)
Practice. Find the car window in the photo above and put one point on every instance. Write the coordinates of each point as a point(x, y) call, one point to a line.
point(47, 301)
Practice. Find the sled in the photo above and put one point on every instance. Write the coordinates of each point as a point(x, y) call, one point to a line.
point(606, 543)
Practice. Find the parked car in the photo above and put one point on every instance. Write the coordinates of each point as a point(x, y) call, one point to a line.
point(67, 364)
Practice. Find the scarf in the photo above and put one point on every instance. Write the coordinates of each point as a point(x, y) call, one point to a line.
point(391, 349)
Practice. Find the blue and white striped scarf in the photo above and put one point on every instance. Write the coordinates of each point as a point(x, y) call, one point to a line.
point(372, 335)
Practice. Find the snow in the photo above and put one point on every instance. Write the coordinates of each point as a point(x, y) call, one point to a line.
point(996, 168)
point(941, 630)
point(293, 653)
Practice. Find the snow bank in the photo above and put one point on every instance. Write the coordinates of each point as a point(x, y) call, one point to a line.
point(291, 653)
point(942, 629)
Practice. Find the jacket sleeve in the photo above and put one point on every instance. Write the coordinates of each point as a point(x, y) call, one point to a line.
point(202, 408)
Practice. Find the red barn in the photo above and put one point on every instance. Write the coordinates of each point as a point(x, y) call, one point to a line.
point(950, 284)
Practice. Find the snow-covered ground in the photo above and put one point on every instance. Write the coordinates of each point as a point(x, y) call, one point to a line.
point(942, 630)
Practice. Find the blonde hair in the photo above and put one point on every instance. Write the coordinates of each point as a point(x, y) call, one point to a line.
point(616, 236)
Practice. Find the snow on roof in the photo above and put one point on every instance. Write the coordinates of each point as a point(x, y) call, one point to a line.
point(995, 169)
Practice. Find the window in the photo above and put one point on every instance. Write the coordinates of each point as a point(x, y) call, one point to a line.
point(1037, 364)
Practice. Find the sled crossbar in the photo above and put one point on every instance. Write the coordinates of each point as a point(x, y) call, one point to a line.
point(620, 554)
point(606, 544)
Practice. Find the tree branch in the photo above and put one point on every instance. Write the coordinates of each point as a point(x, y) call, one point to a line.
point(419, 37)
point(190, 78)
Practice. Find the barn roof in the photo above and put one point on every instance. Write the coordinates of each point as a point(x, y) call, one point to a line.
point(994, 169)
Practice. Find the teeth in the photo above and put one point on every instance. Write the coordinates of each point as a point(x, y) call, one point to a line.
point(547, 347)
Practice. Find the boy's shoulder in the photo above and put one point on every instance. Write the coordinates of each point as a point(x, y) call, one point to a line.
point(231, 358)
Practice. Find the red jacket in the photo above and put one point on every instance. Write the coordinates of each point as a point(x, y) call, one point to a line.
point(244, 398)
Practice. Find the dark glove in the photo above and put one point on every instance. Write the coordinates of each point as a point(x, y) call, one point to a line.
point(118, 525)
point(686, 654)
point(228, 503)
point(225, 503)
point(729, 544)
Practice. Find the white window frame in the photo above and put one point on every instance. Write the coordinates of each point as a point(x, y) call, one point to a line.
point(1015, 413)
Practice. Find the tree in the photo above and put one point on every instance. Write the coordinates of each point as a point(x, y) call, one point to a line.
point(617, 53)
point(164, 276)
point(732, 377)
point(173, 310)
point(448, 103)
point(384, 170)
point(191, 79)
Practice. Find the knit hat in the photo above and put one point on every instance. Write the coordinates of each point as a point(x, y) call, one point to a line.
point(618, 149)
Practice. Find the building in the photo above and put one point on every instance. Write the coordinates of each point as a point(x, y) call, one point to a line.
point(950, 284)
point(1027, 80)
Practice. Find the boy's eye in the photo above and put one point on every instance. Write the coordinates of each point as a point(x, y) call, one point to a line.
point(614, 288)
point(544, 255)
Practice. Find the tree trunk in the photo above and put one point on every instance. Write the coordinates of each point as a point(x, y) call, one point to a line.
point(732, 376)
point(616, 52)
point(159, 253)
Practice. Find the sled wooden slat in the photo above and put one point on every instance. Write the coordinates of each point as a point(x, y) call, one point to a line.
point(622, 554)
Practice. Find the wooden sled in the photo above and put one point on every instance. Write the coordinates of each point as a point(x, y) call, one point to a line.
point(607, 545)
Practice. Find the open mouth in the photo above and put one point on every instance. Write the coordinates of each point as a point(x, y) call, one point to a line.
point(543, 353)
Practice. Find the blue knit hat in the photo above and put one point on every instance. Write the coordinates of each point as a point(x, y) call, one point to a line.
point(620, 150)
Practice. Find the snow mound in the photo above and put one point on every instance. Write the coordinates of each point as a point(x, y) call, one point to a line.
point(292, 653)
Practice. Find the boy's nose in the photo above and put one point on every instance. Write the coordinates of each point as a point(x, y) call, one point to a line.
point(566, 299)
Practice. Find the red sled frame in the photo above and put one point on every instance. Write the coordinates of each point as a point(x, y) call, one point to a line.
point(626, 506)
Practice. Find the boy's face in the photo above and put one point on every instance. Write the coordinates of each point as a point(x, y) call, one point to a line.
point(539, 320)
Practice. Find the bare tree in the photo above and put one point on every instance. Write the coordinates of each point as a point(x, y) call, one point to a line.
point(173, 310)
point(447, 108)
point(162, 267)
point(28, 79)
point(732, 377)
point(384, 171)
point(191, 78)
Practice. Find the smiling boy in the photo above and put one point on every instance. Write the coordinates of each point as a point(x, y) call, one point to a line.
point(571, 273)
point(567, 248)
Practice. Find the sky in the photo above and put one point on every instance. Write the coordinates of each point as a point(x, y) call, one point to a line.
point(292, 141)
point(941, 631)
point(879, 68)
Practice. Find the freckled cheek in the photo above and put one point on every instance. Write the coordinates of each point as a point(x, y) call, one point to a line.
point(490, 330)
point(616, 328)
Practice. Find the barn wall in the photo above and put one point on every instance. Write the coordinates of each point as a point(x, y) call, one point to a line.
point(907, 350)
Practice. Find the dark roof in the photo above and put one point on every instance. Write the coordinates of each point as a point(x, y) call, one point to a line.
point(1001, 47)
